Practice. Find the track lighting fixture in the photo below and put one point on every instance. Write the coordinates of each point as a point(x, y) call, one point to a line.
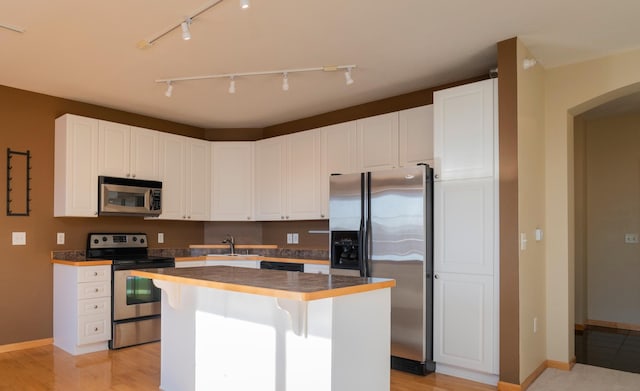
point(183, 24)
point(12, 28)
point(232, 85)
point(169, 90)
point(284, 72)
point(347, 76)
point(186, 31)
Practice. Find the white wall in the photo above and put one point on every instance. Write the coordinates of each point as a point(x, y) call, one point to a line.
point(531, 207)
point(571, 90)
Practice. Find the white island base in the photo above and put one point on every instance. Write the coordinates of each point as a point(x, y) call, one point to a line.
point(214, 339)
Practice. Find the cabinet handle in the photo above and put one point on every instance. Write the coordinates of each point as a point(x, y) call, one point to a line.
point(95, 213)
point(95, 274)
point(281, 217)
point(97, 290)
point(184, 217)
point(287, 217)
point(128, 175)
point(437, 176)
point(248, 217)
point(188, 217)
point(134, 175)
point(436, 276)
point(95, 329)
point(95, 307)
point(322, 215)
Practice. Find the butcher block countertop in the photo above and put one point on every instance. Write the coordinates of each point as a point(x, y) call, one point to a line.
point(274, 283)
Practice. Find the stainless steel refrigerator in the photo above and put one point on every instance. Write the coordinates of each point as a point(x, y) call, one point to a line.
point(381, 225)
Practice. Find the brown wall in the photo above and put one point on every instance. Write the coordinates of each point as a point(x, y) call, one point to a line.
point(25, 271)
point(509, 273)
point(270, 232)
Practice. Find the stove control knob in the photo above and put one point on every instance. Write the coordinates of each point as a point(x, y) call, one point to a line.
point(96, 241)
point(135, 238)
point(142, 241)
point(104, 238)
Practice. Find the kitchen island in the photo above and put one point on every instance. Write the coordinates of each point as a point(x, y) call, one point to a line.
point(229, 328)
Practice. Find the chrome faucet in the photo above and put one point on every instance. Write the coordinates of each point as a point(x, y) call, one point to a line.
point(232, 244)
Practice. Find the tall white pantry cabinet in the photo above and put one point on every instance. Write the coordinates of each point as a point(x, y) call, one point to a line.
point(466, 239)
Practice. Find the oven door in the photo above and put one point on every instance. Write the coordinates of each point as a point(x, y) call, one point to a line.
point(133, 296)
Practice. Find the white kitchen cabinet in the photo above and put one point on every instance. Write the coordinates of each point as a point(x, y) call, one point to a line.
point(315, 268)
point(76, 167)
point(289, 177)
point(415, 136)
point(305, 176)
point(198, 176)
point(232, 181)
point(185, 172)
point(465, 222)
point(81, 308)
point(464, 130)
point(377, 142)
point(127, 151)
point(239, 263)
point(465, 322)
point(340, 141)
point(270, 185)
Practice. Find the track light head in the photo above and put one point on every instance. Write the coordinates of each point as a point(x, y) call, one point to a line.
point(244, 4)
point(285, 82)
point(347, 77)
point(186, 32)
point(169, 90)
point(232, 85)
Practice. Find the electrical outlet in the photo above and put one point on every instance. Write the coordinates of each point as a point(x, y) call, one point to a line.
point(160, 237)
point(523, 241)
point(60, 238)
point(294, 238)
point(289, 238)
point(535, 325)
point(631, 238)
point(19, 238)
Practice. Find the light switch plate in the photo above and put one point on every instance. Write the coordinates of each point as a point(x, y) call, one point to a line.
point(60, 238)
point(294, 237)
point(289, 238)
point(19, 238)
point(631, 238)
point(160, 237)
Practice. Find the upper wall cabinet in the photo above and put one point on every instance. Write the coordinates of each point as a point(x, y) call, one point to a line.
point(76, 167)
point(377, 142)
point(340, 141)
point(289, 177)
point(185, 173)
point(464, 123)
point(415, 138)
point(232, 181)
point(127, 151)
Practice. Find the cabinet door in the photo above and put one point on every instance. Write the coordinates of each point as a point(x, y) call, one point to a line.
point(232, 181)
point(144, 157)
point(76, 167)
point(198, 174)
point(464, 321)
point(377, 142)
point(464, 130)
point(465, 226)
point(114, 153)
point(415, 141)
point(270, 166)
point(172, 172)
point(304, 179)
point(340, 141)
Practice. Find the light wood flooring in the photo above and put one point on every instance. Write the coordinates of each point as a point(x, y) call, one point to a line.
point(138, 368)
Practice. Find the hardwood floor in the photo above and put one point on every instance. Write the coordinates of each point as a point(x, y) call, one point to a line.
point(138, 368)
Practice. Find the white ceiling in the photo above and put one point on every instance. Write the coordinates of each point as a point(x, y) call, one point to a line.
point(87, 50)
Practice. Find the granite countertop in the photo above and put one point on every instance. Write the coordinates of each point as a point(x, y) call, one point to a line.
point(275, 283)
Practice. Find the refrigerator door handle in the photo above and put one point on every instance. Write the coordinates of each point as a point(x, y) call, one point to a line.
point(362, 255)
point(366, 272)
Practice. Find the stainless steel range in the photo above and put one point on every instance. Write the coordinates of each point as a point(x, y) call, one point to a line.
point(135, 301)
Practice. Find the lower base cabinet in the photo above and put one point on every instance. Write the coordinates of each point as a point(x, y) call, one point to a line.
point(465, 324)
point(81, 308)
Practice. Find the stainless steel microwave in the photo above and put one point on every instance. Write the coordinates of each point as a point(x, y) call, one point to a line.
point(129, 197)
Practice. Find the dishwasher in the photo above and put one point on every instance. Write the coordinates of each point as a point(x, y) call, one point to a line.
point(287, 266)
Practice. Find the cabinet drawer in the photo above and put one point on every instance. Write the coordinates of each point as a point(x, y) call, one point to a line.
point(100, 306)
point(93, 329)
point(90, 290)
point(94, 273)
